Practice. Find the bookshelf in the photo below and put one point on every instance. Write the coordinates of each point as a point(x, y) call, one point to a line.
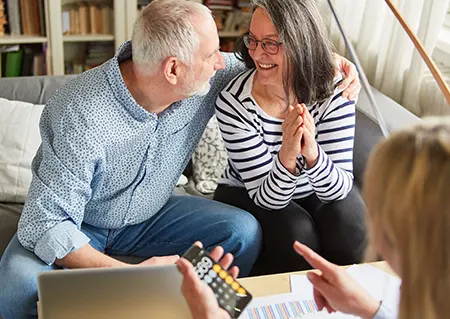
point(22, 39)
point(63, 42)
point(231, 10)
point(71, 45)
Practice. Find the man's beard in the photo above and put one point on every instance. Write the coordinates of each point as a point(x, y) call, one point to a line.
point(193, 88)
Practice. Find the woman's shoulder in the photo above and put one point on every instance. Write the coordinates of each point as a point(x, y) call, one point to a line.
point(241, 85)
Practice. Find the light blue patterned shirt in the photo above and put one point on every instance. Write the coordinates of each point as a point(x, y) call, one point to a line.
point(106, 161)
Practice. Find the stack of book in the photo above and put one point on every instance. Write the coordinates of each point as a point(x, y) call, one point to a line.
point(93, 55)
point(87, 18)
point(2, 18)
point(23, 60)
point(25, 17)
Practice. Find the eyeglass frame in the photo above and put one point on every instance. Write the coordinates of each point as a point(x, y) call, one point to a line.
point(263, 45)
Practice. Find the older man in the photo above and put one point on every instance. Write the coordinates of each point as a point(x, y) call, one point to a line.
point(114, 142)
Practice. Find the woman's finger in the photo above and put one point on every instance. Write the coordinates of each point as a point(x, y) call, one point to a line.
point(234, 271)
point(217, 253)
point(319, 299)
point(316, 261)
point(226, 261)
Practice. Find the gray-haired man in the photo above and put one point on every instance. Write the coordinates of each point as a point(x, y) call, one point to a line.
point(114, 142)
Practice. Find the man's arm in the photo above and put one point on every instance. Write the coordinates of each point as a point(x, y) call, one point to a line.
point(88, 257)
point(63, 170)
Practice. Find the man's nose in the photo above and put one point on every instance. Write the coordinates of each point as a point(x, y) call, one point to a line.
point(220, 65)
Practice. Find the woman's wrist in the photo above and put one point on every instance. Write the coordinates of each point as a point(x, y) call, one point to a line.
point(288, 162)
point(371, 309)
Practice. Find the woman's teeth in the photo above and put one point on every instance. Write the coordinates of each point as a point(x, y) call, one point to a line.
point(266, 66)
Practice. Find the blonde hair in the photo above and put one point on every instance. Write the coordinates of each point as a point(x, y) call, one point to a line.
point(407, 193)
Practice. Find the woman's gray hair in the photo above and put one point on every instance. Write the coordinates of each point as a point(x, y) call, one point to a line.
point(310, 66)
point(166, 28)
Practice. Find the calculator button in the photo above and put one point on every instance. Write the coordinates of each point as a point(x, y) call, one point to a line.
point(220, 290)
point(214, 285)
point(235, 285)
point(212, 274)
point(223, 274)
point(217, 268)
point(242, 291)
point(229, 280)
point(224, 285)
point(208, 279)
point(227, 296)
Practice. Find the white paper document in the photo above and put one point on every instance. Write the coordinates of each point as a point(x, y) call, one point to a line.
point(300, 302)
point(378, 283)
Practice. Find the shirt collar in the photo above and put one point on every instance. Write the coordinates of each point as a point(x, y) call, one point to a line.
point(120, 90)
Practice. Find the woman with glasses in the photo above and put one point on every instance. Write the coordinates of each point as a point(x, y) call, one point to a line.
point(289, 131)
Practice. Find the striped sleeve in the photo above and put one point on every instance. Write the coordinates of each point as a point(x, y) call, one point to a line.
point(269, 184)
point(332, 176)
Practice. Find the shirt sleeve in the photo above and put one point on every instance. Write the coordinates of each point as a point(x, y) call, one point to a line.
point(233, 67)
point(269, 184)
point(62, 171)
point(384, 313)
point(332, 176)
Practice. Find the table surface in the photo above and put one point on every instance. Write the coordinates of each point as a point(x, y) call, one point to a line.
point(279, 284)
point(261, 286)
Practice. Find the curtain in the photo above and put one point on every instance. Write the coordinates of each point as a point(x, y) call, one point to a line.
point(388, 57)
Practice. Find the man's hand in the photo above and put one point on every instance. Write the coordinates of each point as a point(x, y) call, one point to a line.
point(351, 82)
point(335, 289)
point(200, 298)
point(165, 260)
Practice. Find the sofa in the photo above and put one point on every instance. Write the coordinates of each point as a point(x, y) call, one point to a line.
point(37, 90)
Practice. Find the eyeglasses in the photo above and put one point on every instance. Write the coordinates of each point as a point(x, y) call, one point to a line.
point(268, 45)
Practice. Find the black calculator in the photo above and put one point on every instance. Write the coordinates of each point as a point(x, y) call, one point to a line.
point(230, 294)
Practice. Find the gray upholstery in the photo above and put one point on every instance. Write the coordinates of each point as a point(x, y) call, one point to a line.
point(38, 90)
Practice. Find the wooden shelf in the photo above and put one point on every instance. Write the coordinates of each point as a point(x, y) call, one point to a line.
point(22, 39)
point(88, 38)
point(229, 34)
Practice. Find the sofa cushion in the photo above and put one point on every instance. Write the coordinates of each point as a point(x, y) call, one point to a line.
point(9, 217)
point(209, 159)
point(19, 141)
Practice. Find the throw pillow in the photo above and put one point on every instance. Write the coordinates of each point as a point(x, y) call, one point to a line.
point(209, 159)
point(19, 141)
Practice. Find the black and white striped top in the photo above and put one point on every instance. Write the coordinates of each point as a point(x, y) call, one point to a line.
point(253, 139)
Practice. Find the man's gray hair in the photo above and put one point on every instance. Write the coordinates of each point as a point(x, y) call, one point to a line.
point(166, 28)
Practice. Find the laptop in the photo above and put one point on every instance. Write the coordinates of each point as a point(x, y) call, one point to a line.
point(129, 292)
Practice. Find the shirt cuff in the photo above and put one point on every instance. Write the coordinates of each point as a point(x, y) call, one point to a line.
point(280, 167)
point(321, 162)
point(383, 313)
point(59, 241)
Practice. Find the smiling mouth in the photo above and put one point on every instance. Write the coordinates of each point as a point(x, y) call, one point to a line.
point(266, 66)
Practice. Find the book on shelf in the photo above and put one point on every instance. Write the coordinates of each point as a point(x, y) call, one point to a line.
point(87, 18)
point(23, 60)
point(22, 17)
point(94, 55)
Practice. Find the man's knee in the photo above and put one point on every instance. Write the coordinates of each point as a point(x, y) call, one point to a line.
point(18, 279)
point(245, 229)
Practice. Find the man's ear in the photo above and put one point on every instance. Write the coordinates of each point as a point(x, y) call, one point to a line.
point(172, 70)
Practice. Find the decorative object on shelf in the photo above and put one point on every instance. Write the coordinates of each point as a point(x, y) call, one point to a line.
point(2, 18)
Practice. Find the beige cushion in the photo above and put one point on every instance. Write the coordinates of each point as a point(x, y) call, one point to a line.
point(19, 141)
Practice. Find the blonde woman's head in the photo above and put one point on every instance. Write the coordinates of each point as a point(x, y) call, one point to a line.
point(407, 193)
